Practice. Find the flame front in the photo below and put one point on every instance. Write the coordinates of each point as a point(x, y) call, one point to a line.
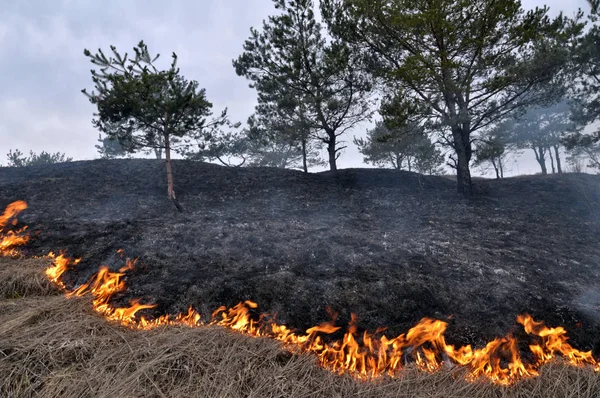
point(554, 341)
point(365, 356)
point(10, 240)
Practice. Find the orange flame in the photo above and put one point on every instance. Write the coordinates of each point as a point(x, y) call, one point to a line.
point(554, 340)
point(60, 265)
point(366, 356)
point(11, 239)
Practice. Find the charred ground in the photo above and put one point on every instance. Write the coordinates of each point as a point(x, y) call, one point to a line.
point(390, 246)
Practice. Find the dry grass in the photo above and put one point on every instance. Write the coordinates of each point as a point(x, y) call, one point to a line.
point(51, 346)
point(23, 278)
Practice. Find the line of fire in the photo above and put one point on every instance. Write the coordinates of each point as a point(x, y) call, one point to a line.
point(366, 356)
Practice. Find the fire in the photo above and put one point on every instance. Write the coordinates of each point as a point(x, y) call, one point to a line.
point(554, 341)
point(11, 239)
point(365, 356)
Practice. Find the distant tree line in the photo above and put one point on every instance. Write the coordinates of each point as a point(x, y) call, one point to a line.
point(18, 159)
point(461, 84)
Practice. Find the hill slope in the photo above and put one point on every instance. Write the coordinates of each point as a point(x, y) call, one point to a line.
point(390, 246)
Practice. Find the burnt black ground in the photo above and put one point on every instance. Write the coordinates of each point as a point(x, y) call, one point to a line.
point(392, 247)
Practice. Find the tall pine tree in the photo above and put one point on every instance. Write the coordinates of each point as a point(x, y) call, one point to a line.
point(461, 64)
point(293, 68)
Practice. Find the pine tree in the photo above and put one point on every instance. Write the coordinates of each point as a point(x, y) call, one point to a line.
point(585, 87)
point(492, 150)
point(405, 147)
point(460, 65)
point(110, 148)
point(281, 142)
point(144, 108)
point(541, 129)
point(296, 71)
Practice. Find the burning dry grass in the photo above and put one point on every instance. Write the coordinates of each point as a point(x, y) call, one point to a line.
point(51, 346)
point(12, 239)
point(499, 361)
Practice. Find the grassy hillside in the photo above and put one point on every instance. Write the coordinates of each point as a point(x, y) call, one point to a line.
point(390, 246)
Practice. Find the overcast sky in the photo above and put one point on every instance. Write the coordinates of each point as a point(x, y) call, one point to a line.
point(43, 69)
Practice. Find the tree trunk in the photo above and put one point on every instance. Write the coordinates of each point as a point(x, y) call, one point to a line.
point(462, 145)
point(496, 169)
point(331, 150)
point(304, 162)
point(541, 158)
point(332, 159)
point(170, 188)
point(551, 160)
point(396, 161)
point(158, 153)
point(501, 167)
point(409, 163)
point(558, 164)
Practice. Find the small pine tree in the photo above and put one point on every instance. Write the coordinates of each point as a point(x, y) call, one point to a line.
point(404, 147)
point(144, 108)
point(492, 151)
point(277, 141)
point(110, 148)
point(541, 129)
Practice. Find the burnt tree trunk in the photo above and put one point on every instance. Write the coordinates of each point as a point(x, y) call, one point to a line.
point(170, 185)
point(331, 139)
point(462, 146)
point(551, 160)
point(540, 157)
point(170, 190)
point(496, 169)
point(332, 150)
point(558, 163)
point(304, 162)
point(397, 162)
point(304, 134)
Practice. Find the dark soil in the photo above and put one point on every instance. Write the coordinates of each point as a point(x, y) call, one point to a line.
point(390, 246)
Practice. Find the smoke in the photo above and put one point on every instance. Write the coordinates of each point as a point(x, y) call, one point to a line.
point(589, 303)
